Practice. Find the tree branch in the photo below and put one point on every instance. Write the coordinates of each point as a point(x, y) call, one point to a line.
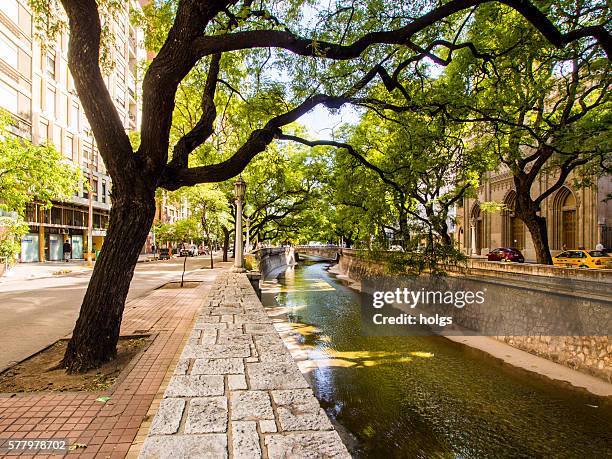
point(204, 127)
point(313, 48)
point(83, 61)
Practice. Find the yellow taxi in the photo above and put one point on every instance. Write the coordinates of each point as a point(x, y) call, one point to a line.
point(597, 259)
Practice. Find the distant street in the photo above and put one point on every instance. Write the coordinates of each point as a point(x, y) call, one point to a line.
point(36, 312)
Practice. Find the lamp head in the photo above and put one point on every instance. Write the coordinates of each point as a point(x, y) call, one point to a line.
point(239, 188)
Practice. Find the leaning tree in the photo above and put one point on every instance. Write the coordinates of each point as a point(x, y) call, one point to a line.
point(325, 63)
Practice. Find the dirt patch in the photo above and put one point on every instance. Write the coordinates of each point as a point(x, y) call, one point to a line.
point(186, 284)
point(40, 372)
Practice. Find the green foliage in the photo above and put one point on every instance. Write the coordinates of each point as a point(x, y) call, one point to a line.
point(415, 261)
point(29, 172)
point(11, 232)
point(50, 21)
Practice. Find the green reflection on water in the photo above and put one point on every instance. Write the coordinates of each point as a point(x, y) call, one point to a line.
point(427, 397)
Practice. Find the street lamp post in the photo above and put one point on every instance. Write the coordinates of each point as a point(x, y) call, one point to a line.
point(239, 189)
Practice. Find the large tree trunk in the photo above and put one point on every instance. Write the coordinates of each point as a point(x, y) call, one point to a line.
point(95, 335)
point(539, 235)
point(527, 210)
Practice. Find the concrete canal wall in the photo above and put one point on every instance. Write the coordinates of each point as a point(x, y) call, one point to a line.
point(582, 298)
point(271, 261)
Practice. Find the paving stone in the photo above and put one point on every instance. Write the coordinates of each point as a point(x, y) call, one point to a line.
point(245, 440)
point(235, 338)
point(260, 329)
point(275, 355)
point(305, 445)
point(202, 320)
point(208, 338)
point(269, 375)
point(182, 367)
point(302, 398)
point(267, 340)
point(168, 417)
point(216, 351)
point(227, 319)
point(252, 318)
point(211, 327)
point(293, 418)
point(267, 426)
point(251, 405)
point(210, 446)
point(226, 310)
point(206, 415)
point(236, 382)
point(217, 366)
point(195, 386)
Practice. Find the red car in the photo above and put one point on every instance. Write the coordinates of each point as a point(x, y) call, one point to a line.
point(506, 254)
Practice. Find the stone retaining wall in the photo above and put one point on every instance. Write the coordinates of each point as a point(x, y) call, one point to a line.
point(271, 261)
point(237, 391)
point(588, 354)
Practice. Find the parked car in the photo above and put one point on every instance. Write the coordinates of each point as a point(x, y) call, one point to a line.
point(189, 251)
point(505, 254)
point(164, 253)
point(596, 259)
point(396, 248)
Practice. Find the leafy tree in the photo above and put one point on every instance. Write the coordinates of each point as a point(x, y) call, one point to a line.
point(418, 169)
point(32, 172)
point(27, 173)
point(539, 109)
point(210, 207)
point(266, 41)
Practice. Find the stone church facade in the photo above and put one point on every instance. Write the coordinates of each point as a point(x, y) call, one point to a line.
point(576, 217)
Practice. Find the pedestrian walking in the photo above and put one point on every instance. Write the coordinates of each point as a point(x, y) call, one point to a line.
point(599, 246)
point(67, 251)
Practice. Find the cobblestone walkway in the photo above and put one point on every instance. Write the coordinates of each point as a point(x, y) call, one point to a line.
point(237, 392)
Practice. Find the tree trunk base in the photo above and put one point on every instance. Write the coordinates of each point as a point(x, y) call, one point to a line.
point(96, 333)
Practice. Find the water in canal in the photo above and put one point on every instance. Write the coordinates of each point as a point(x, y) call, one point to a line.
point(428, 397)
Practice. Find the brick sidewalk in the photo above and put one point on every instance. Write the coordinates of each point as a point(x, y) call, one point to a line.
point(237, 392)
point(107, 430)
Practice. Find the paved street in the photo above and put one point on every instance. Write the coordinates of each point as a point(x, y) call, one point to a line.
point(36, 312)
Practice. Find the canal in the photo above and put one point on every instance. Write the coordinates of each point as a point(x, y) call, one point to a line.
point(424, 397)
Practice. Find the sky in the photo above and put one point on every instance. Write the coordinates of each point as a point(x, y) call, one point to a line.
point(323, 125)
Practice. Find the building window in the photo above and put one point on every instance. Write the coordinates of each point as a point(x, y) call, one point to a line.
point(120, 95)
point(8, 98)
point(66, 143)
point(74, 117)
point(94, 189)
point(50, 103)
point(11, 9)
point(9, 52)
point(24, 106)
point(565, 219)
point(43, 133)
point(86, 155)
point(51, 66)
point(104, 191)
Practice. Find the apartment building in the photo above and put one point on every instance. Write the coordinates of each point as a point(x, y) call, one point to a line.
point(37, 88)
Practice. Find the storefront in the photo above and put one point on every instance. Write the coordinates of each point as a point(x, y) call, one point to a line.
point(51, 228)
